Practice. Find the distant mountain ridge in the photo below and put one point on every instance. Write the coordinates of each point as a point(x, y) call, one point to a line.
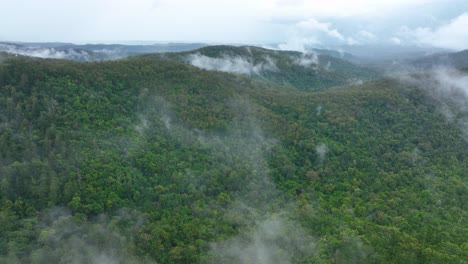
point(304, 71)
point(90, 52)
point(457, 60)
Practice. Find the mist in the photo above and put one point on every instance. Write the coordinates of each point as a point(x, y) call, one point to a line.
point(272, 240)
point(62, 53)
point(448, 87)
point(322, 150)
point(451, 89)
point(233, 64)
point(64, 238)
point(307, 59)
point(265, 219)
point(51, 53)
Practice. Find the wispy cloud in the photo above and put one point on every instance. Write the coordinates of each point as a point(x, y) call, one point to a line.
point(273, 240)
point(313, 25)
point(63, 239)
point(46, 52)
point(296, 42)
point(265, 219)
point(307, 59)
point(449, 88)
point(65, 53)
point(233, 64)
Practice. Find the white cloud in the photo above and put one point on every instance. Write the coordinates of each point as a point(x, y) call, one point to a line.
point(313, 25)
point(306, 34)
point(307, 59)
point(452, 35)
point(47, 52)
point(322, 150)
point(449, 88)
point(235, 64)
point(299, 43)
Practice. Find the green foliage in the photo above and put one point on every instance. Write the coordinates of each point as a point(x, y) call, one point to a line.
point(373, 172)
point(311, 72)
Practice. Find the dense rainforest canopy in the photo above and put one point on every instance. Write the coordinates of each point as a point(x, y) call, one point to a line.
point(152, 160)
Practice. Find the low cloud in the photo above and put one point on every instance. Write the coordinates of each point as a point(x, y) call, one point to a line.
point(46, 52)
point(449, 88)
point(273, 240)
point(267, 233)
point(264, 218)
point(233, 64)
point(65, 53)
point(65, 239)
point(322, 150)
point(307, 59)
point(299, 43)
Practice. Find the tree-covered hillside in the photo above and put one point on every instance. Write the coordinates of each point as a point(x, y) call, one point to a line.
point(304, 71)
point(151, 160)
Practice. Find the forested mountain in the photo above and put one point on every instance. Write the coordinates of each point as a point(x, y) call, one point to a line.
point(305, 71)
point(150, 159)
point(90, 52)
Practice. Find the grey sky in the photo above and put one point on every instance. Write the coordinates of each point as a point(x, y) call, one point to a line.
point(440, 23)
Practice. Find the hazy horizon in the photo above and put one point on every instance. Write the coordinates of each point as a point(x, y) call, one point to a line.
point(292, 23)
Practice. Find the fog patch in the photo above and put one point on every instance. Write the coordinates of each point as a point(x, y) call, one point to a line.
point(143, 125)
point(318, 110)
point(449, 88)
point(154, 110)
point(264, 218)
point(62, 53)
point(267, 231)
point(67, 239)
point(307, 59)
point(452, 87)
point(322, 150)
point(272, 240)
point(233, 64)
point(355, 81)
point(51, 53)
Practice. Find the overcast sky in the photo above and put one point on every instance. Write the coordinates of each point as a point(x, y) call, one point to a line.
point(295, 23)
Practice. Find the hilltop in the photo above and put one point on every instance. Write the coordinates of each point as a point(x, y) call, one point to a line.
point(304, 71)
